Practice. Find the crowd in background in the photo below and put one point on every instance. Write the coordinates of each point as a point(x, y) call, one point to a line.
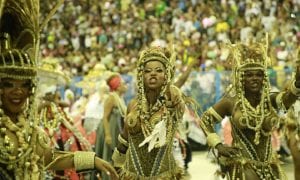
point(85, 32)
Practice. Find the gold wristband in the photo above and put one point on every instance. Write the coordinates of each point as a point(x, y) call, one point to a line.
point(122, 140)
point(118, 158)
point(84, 160)
point(213, 139)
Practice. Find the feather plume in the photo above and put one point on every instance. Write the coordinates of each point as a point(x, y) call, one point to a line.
point(21, 20)
point(157, 137)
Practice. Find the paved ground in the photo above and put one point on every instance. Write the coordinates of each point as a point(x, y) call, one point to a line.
point(202, 169)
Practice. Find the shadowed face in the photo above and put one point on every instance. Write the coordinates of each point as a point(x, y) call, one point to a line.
point(253, 81)
point(123, 87)
point(14, 94)
point(154, 75)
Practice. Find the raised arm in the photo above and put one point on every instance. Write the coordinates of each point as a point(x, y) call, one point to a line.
point(184, 76)
point(285, 99)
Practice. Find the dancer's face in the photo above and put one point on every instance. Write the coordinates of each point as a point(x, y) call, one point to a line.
point(253, 81)
point(14, 94)
point(154, 75)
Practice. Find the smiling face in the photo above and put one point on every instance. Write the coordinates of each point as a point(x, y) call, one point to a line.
point(14, 95)
point(154, 75)
point(253, 81)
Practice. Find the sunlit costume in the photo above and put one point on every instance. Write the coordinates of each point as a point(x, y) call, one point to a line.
point(248, 132)
point(151, 129)
point(17, 64)
point(23, 144)
point(292, 132)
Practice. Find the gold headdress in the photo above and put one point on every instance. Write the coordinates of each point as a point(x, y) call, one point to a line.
point(155, 53)
point(248, 57)
point(19, 30)
point(19, 39)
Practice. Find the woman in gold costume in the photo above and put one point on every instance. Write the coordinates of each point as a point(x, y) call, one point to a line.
point(25, 152)
point(252, 111)
point(151, 121)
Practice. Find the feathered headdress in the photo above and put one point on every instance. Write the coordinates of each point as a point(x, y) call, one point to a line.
point(20, 32)
point(243, 57)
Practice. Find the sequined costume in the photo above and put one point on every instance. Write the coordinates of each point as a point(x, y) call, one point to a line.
point(150, 129)
point(25, 149)
point(159, 163)
point(252, 125)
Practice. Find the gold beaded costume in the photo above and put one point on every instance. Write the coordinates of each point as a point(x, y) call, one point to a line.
point(20, 141)
point(249, 123)
point(151, 129)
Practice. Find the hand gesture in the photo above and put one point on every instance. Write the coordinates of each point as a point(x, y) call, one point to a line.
point(105, 167)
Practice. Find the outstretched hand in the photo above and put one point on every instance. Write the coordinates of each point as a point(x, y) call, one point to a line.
point(106, 168)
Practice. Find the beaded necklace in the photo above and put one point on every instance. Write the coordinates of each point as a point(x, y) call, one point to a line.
point(49, 118)
point(253, 118)
point(21, 129)
point(23, 160)
point(58, 116)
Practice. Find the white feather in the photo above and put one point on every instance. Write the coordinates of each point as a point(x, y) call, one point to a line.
point(157, 137)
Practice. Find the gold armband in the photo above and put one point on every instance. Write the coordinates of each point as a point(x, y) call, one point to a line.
point(122, 140)
point(118, 158)
point(213, 139)
point(84, 160)
point(294, 89)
